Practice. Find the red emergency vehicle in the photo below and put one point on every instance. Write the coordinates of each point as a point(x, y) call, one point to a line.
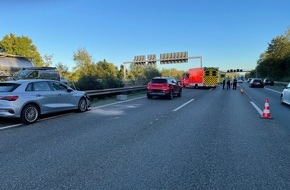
point(201, 77)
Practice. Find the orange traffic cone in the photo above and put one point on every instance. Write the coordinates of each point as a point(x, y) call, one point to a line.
point(266, 112)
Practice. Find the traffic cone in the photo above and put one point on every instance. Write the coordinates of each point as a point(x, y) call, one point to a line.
point(266, 112)
point(242, 91)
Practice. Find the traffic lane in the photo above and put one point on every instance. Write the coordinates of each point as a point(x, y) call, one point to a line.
point(231, 146)
point(15, 122)
point(167, 153)
point(61, 144)
point(278, 112)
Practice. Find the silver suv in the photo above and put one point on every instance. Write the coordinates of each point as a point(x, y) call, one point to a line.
point(50, 73)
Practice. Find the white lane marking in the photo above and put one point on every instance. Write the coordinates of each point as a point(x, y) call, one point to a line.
point(273, 90)
point(117, 103)
point(11, 126)
point(183, 105)
point(257, 108)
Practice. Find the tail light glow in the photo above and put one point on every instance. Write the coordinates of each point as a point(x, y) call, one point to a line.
point(9, 98)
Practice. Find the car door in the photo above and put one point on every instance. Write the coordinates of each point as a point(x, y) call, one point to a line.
point(44, 95)
point(67, 99)
point(175, 86)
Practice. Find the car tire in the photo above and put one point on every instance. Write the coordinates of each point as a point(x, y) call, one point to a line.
point(196, 86)
point(29, 114)
point(82, 106)
point(180, 93)
point(281, 99)
point(170, 96)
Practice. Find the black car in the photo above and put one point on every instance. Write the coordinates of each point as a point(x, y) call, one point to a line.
point(268, 81)
point(256, 82)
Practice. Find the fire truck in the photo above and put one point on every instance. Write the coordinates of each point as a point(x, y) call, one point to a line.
point(201, 77)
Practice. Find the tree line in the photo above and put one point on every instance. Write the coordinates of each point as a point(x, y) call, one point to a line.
point(274, 62)
point(86, 74)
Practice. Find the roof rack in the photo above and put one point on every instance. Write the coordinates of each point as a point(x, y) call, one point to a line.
point(40, 68)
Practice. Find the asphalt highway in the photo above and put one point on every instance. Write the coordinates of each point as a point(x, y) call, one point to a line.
point(206, 139)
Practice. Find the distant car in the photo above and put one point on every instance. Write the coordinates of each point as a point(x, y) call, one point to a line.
point(285, 95)
point(256, 82)
point(164, 86)
point(30, 98)
point(268, 81)
point(240, 81)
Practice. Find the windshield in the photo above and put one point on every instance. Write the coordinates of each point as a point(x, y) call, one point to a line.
point(21, 74)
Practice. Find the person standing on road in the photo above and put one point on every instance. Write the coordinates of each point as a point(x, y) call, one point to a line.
point(235, 84)
point(229, 84)
point(224, 83)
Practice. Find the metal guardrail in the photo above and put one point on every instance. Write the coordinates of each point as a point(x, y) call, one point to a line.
point(92, 93)
point(281, 83)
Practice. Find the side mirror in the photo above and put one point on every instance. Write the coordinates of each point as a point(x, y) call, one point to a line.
point(69, 90)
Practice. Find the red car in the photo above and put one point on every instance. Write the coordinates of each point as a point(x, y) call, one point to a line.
point(164, 87)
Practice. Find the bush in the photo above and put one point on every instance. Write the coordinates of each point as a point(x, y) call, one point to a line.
point(93, 83)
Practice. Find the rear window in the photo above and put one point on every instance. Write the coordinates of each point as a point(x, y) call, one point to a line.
point(159, 81)
point(8, 87)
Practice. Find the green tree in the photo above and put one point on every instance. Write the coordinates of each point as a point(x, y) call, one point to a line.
point(84, 64)
point(63, 70)
point(151, 72)
point(137, 71)
point(274, 62)
point(106, 70)
point(172, 73)
point(22, 46)
point(120, 74)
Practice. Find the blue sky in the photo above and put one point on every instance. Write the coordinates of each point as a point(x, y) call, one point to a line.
point(228, 34)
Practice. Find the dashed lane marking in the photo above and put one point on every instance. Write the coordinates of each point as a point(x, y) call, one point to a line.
point(257, 108)
point(273, 90)
point(178, 108)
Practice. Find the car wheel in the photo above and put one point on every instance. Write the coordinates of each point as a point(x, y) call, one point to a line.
point(195, 86)
point(29, 114)
point(281, 99)
point(82, 105)
point(149, 96)
point(170, 97)
point(180, 93)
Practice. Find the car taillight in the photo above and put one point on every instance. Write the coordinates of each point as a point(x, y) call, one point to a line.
point(166, 85)
point(9, 98)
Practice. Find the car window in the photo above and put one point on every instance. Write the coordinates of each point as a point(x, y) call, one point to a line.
point(59, 87)
point(29, 87)
point(158, 81)
point(8, 87)
point(173, 81)
point(33, 75)
point(41, 86)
